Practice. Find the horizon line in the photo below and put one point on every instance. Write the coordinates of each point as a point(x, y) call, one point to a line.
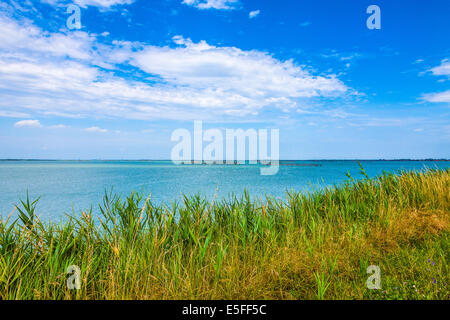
point(224, 160)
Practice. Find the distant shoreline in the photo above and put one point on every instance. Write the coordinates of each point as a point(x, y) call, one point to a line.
point(166, 160)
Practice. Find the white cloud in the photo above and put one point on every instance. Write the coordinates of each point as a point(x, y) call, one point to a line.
point(29, 41)
point(438, 97)
point(96, 129)
point(251, 76)
point(94, 3)
point(102, 3)
point(443, 69)
point(28, 123)
point(212, 4)
point(57, 74)
point(342, 56)
point(13, 114)
point(253, 14)
point(36, 124)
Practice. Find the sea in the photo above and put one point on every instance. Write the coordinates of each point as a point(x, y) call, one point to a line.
point(67, 187)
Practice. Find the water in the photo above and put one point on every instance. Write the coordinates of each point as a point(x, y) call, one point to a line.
point(63, 185)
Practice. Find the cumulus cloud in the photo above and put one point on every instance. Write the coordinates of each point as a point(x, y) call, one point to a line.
point(212, 4)
point(37, 124)
point(443, 69)
point(28, 123)
point(253, 76)
point(253, 14)
point(29, 41)
point(96, 129)
point(68, 75)
point(438, 97)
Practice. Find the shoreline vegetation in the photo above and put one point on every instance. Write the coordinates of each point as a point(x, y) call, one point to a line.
point(315, 245)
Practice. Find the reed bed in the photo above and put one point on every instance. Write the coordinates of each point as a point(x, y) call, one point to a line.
point(314, 245)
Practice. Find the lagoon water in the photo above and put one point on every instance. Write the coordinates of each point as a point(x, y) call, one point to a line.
point(78, 185)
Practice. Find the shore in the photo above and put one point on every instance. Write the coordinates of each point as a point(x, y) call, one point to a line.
point(307, 246)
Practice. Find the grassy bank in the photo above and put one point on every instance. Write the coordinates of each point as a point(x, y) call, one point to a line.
point(307, 246)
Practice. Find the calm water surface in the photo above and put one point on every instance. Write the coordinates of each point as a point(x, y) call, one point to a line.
point(63, 185)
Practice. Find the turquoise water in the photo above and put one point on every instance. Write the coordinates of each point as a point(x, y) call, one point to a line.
point(66, 184)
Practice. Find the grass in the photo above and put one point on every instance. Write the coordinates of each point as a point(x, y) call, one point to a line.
point(314, 245)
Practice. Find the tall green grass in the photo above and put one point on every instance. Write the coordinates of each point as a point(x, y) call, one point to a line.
point(314, 245)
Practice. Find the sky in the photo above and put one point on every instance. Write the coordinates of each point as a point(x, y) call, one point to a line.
point(137, 70)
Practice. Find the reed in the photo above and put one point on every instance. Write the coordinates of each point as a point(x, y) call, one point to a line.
point(314, 245)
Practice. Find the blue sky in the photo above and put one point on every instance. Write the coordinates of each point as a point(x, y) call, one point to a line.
point(137, 70)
